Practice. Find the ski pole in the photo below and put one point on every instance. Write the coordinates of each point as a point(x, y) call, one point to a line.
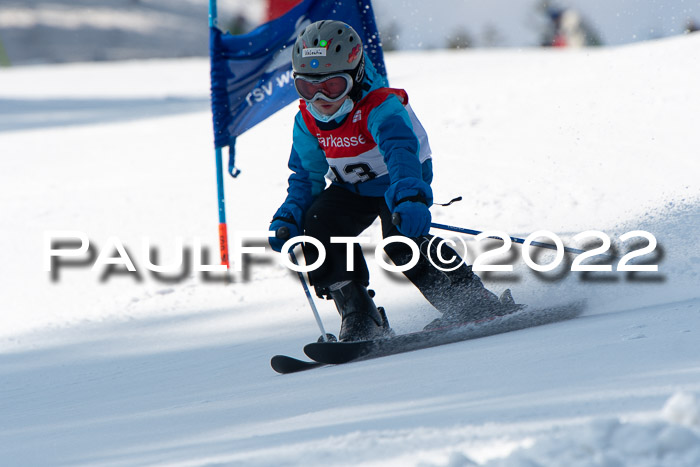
point(283, 234)
point(513, 239)
point(396, 220)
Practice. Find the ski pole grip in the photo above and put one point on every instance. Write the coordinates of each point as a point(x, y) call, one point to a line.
point(282, 233)
point(396, 218)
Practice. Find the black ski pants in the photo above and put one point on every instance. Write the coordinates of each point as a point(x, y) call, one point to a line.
point(338, 212)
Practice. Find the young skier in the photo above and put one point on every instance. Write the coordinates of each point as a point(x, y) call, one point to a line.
point(365, 138)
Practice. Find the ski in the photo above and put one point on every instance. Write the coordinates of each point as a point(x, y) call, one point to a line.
point(284, 364)
point(344, 352)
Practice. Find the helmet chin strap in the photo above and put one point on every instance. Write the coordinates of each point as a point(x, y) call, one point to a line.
point(358, 79)
point(360, 74)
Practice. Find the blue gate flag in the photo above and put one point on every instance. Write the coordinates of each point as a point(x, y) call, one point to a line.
point(251, 74)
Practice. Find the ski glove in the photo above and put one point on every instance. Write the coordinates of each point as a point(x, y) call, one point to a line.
point(410, 198)
point(415, 218)
point(277, 223)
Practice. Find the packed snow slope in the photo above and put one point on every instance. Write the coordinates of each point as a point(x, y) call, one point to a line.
point(114, 368)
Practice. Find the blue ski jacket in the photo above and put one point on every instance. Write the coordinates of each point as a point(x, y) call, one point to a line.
point(378, 149)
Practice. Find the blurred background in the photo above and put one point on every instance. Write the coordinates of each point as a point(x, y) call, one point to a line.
point(52, 31)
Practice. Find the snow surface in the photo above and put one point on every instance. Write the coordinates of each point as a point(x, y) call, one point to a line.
point(123, 369)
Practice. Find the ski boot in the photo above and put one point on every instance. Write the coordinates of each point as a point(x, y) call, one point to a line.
point(361, 319)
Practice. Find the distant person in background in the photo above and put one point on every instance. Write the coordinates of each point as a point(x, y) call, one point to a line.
point(363, 136)
point(554, 36)
point(568, 29)
point(571, 29)
point(239, 25)
point(690, 26)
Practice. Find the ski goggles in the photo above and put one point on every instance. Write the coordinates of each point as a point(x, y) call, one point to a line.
point(330, 88)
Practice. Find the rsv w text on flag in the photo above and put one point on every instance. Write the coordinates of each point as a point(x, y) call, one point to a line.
point(251, 74)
